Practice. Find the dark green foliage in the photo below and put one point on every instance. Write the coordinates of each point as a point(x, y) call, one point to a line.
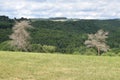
point(4, 34)
point(90, 51)
point(112, 52)
point(4, 25)
point(5, 28)
point(85, 51)
point(42, 48)
point(5, 22)
point(36, 48)
point(109, 54)
point(5, 46)
point(115, 50)
point(113, 27)
point(48, 48)
point(67, 37)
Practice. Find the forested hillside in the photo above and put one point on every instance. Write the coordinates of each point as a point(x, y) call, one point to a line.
point(5, 28)
point(66, 36)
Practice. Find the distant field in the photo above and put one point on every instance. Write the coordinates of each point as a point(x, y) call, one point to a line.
point(36, 66)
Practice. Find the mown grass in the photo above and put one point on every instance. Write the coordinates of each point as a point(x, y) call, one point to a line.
point(36, 66)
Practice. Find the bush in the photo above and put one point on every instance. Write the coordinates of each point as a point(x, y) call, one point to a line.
point(118, 54)
point(90, 51)
point(85, 51)
point(109, 54)
point(6, 46)
point(48, 48)
point(80, 50)
point(36, 48)
point(115, 50)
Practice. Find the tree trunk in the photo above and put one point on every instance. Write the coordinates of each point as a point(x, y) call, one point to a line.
point(98, 50)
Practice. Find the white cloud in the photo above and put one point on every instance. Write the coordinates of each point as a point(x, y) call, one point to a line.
point(87, 9)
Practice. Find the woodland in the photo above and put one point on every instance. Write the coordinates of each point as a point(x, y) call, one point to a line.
point(66, 37)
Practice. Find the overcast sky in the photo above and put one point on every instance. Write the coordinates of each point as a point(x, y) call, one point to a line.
point(84, 9)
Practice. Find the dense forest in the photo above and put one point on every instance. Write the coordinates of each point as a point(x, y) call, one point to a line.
point(63, 36)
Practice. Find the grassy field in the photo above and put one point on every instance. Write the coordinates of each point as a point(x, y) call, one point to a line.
point(36, 66)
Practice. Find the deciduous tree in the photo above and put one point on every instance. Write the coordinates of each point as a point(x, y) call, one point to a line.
point(98, 40)
point(20, 36)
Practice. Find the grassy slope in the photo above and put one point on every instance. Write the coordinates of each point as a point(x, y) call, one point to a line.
point(33, 66)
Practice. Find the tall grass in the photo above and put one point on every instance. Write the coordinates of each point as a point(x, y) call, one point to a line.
point(35, 66)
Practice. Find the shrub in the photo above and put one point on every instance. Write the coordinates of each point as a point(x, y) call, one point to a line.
point(85, 51)
point(115, 50)
point(5, 46)
point(109, 54)
point(90, 51)
point(118, 54)
point(48, 48)
point(36, 48)
point(80, 50)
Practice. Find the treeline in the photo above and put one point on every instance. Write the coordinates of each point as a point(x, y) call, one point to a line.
point(64, 37)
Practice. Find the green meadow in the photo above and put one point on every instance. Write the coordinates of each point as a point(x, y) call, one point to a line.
point(41, 66)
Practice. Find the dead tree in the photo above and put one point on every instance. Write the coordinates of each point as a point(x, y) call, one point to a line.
point(98, 41)
point(20, 36)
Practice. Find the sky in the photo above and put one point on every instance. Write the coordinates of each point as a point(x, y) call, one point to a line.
point(83, 9)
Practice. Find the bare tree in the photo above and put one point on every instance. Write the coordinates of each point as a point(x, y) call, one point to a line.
point(98, 40)
point(20, 36)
